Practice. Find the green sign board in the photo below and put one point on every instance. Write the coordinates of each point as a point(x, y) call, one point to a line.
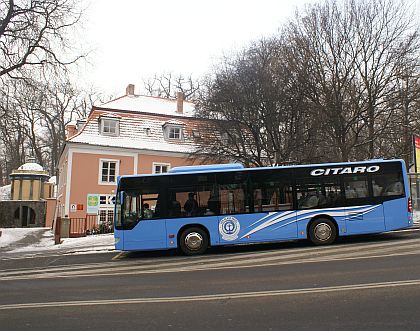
point(92, 203)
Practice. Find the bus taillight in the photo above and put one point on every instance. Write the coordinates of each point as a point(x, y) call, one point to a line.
point(410, 206)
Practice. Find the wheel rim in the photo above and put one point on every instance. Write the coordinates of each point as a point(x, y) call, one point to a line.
point(194, 240)
point(323, 231)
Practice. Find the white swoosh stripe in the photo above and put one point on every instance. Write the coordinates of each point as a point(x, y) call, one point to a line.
point(274, 220)
point(276, 217)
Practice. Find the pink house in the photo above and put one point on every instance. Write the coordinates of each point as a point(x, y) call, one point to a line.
point(132, 134)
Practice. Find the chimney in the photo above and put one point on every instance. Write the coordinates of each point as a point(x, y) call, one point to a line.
point(130, 89)
point(71, 130)
point(179, 102)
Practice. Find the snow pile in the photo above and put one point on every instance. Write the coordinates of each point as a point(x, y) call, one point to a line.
point(5, 192)
point(82, 244)
point(92, 243)
point(13, 235)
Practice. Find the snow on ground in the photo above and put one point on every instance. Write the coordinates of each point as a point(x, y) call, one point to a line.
point(11, 236)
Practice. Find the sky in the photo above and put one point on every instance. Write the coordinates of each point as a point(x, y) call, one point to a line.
point(132, 40)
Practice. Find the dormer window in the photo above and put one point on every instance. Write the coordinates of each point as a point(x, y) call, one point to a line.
point(174, 132)
point(109, 126)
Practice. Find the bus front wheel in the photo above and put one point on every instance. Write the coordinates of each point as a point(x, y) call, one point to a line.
point(322, 231)
point(193, 241)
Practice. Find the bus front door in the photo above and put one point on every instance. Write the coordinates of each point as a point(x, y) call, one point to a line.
point(146, 235)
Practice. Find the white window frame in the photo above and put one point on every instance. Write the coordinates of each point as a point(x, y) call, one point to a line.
point(160, 164)
point(117, 171)
point(168, 129)
point(116, 122)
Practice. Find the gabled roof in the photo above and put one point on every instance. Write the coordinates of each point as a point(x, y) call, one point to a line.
point(141, 121)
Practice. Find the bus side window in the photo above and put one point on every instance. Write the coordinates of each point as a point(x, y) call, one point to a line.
point(318, 193)
point(232, 193)
point(131, 209)
point(356, 187)
point(387, 185)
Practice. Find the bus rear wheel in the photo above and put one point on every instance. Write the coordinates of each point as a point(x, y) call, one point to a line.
point(322, 231)
point(193, 241)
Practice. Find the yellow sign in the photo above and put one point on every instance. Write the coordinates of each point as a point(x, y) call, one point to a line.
point(417, 153)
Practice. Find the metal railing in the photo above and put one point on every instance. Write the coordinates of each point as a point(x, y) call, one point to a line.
point(81, 227)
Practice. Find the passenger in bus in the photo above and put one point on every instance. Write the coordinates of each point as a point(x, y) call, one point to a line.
point(191, 205)
point(310, 201)
point(322, 200)
point(301, 200)
point(332, 198)
point(147, 212)
point(175, 209)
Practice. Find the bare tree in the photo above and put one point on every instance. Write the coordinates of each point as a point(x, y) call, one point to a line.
point(167, 85)
point(254, 108)
point(339, 81)
point(355, 51)
point(33, 33)
point(34, 123)
point(387, 37)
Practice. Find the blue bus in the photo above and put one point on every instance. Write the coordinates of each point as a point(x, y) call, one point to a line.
point(194, 207)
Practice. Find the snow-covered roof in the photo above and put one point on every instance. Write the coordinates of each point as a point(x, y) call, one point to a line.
point(148, 104)
point(143, 131)
point(30, 166)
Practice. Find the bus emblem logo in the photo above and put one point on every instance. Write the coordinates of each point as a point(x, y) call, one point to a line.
point(229, 228)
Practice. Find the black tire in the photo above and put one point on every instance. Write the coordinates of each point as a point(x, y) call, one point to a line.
point(322, 231)
point(193, 241)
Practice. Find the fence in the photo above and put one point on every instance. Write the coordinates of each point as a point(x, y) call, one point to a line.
point(81, 227)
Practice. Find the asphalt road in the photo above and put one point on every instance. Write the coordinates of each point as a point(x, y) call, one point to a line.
point(365, 282)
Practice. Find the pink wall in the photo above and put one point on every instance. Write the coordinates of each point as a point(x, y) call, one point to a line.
point(145, 163)
point(85, 177)
point(50, 213)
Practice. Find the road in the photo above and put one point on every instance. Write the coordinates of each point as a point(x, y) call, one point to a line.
point(365, 282)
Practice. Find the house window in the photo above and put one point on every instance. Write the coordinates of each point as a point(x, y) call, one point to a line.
point(109, 127)
point(108, 171)
point(174, 132)
point(160, 168)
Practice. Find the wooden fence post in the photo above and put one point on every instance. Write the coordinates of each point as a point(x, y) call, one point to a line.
point(57, 236)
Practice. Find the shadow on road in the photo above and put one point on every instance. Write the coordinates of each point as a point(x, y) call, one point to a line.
point(264, 247)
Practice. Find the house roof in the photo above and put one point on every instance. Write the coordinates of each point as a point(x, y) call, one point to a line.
point(141, 123)
point(148, 104)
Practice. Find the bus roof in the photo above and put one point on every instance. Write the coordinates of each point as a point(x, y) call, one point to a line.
point(210, 168)
point(207, 168)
